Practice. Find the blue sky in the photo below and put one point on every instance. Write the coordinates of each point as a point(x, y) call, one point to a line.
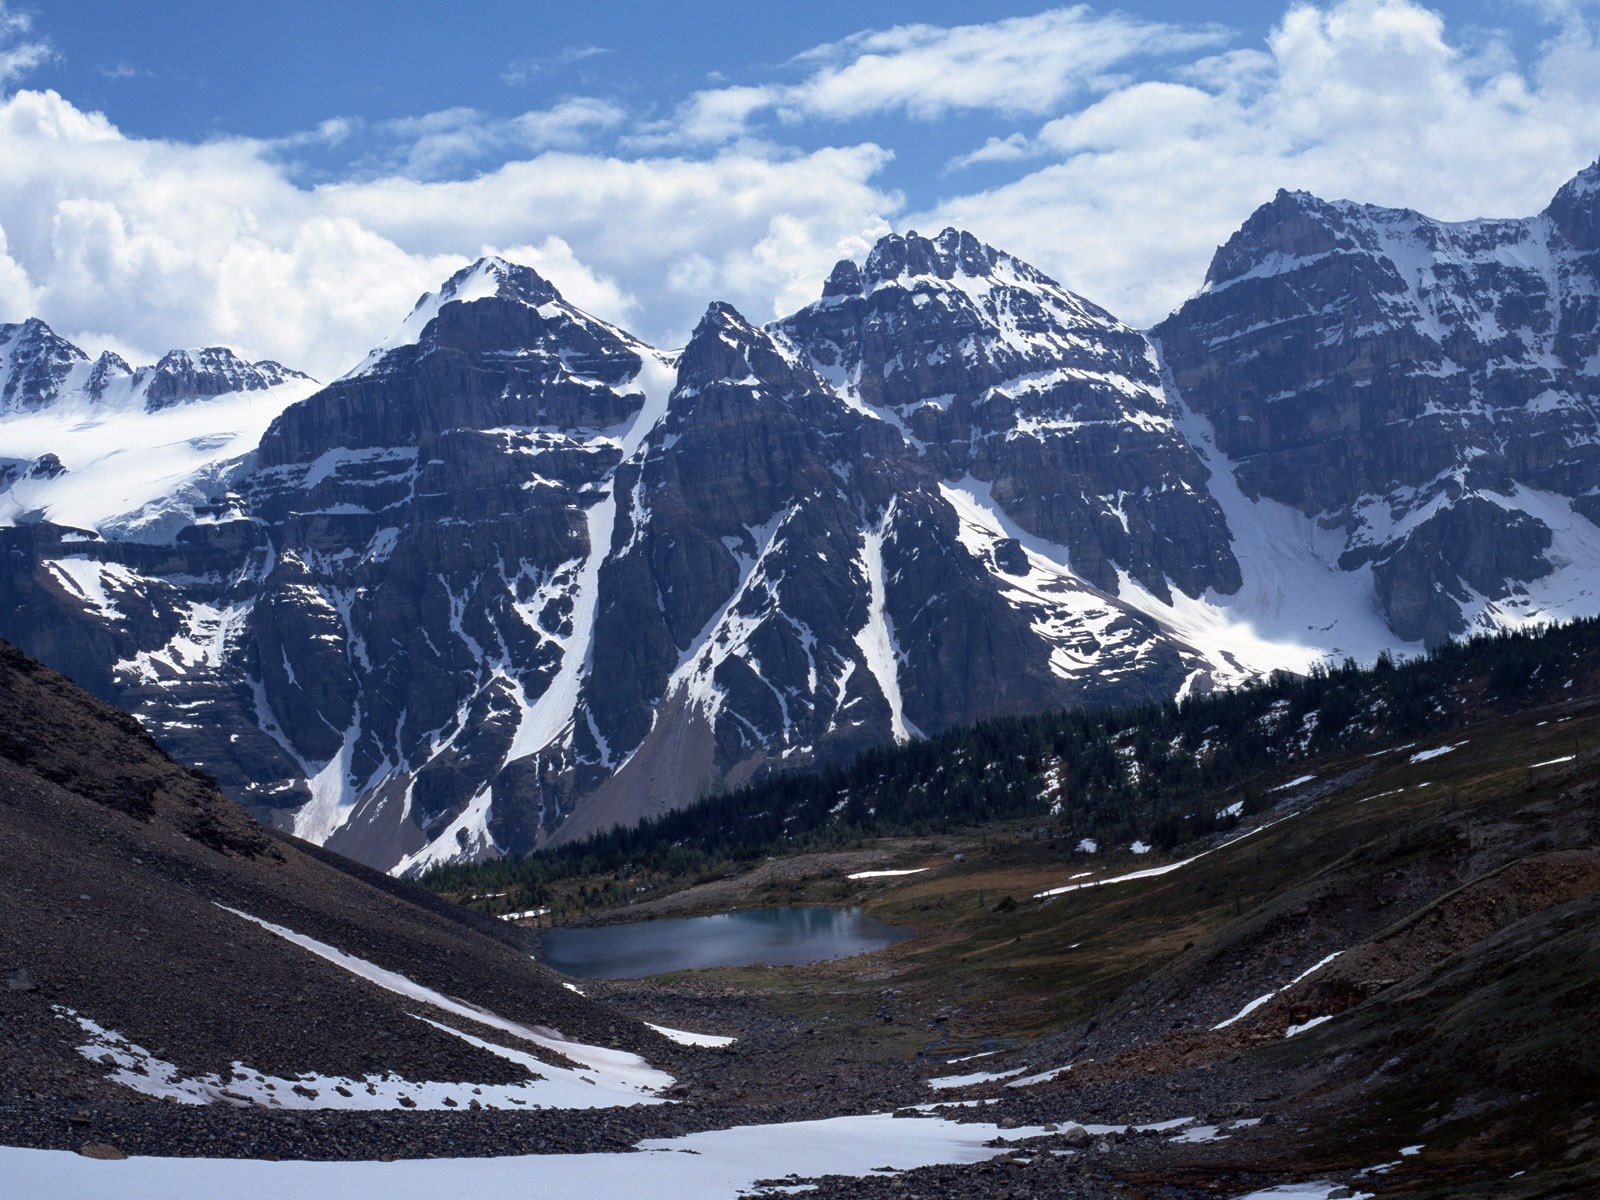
point(288, 179)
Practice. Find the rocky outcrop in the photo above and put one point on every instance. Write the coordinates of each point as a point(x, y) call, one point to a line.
point(39, 369)
point(184, 375)
point(1425, 388)
point(518, 575)
point(997, 372)
point(34, 364)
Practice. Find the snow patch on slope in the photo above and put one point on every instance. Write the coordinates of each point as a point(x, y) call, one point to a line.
point(624, 1077)
point(876, 638)
point(141, 1071)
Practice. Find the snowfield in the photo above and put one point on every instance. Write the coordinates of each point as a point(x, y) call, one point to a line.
point(724, 1163)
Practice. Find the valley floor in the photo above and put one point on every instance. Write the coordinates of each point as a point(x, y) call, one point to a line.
point(1383, 985)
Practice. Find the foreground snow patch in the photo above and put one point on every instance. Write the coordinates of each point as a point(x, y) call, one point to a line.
point(718, 1165)
point(684, 1038)
point(961, 1081)
point(138, 1069)
point(625, 1076)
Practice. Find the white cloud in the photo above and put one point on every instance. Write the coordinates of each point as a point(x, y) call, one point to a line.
point(714, 116)
point(438, 143)
point(1123, 183)
point(20, 49)
point(523, 70)
point(1020, 65)
point(161, 244)
point(1362, 99)
point(674, 233)
point(996, 149)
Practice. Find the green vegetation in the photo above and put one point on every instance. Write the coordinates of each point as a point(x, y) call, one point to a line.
point(1160, 772)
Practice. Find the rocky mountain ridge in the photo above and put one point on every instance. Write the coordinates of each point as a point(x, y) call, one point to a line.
point(39, 369)
point(1426, 391)
point(519, 576)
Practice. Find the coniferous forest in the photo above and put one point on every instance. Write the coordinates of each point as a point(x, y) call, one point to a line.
point(1161, 773)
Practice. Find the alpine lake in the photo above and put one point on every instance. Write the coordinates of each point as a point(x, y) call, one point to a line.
point(779, 936)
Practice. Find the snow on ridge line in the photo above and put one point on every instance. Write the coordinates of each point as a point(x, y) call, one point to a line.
point(888, 874)
point(619, 1070)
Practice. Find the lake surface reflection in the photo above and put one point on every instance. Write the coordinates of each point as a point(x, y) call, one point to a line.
point(781, 936)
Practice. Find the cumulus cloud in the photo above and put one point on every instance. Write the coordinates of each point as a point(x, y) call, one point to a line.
point(760, 232)
point(1362, 99)
point(166, 244)
point(156, 244)
point(1132, 149)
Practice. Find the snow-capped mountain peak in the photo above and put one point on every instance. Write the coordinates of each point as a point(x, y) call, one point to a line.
point(35, 363)
point(490, 278)
point(1575, 210)
point(522, 576)
point(97, 445)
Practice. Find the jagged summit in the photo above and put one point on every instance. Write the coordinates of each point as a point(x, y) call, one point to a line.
point(523, 576)
point(39, 369)
point(907, 259)
point(1293, 225)
point(1423, 389)
point(726, 348)
point(1575, 210)
point(35, 361)
point(183, 375)
point(491, 306)
point(493, 276)
point(107, 370)
point(953, 252)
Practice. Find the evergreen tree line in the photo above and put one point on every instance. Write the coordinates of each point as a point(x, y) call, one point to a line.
point(1162, 772)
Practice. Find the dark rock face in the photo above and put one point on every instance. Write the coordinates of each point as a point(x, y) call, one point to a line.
point(792, 582)
point(38, 367)
point(995, 371)
point(518, 567)
point(184, 375)
point(34, 363)
point(518, 576)
point(1409, 382)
